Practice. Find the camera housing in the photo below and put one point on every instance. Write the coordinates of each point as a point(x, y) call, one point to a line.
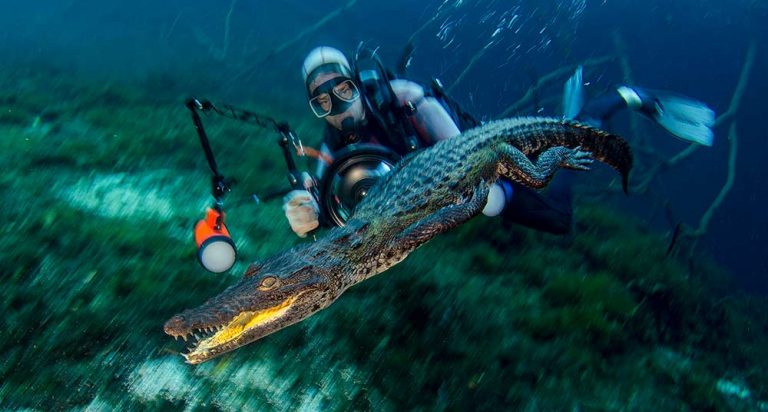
point(355, 169)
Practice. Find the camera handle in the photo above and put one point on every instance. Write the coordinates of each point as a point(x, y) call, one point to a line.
point(221, 185)
point(287, 136)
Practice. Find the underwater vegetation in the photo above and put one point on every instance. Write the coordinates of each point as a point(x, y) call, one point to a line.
point(101, 187)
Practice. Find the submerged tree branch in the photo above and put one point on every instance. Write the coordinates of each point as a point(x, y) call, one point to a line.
point(287, 44)
point(693, 235)
point(313, 28)
point(550, 78)
point(438, 14)
point(218, 53)
point(469, 65)
point(704, 222)
point(733, 107)
point(741, 86)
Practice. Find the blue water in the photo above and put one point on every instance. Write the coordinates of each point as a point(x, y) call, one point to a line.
point(250, 53)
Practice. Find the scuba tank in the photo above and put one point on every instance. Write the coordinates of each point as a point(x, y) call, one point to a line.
point(381, 101)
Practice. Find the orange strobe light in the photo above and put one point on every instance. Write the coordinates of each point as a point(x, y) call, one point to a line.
point(215, 248)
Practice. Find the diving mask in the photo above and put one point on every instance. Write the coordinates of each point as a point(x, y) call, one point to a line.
point(333, 97)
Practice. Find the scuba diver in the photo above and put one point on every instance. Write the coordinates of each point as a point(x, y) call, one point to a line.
point(363, 106)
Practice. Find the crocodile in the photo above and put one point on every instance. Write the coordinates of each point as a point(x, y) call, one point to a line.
point(427, 193)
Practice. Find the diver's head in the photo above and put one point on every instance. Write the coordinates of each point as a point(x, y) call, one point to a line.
point(331, 89)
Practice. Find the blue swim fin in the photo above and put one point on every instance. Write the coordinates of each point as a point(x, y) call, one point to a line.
point(682, 116)
point(573, 94)
point(685, 118)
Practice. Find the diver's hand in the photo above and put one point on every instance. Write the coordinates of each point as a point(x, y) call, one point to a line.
point(302, 212)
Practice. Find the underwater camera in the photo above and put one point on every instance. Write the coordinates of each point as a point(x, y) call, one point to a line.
point(350, 176)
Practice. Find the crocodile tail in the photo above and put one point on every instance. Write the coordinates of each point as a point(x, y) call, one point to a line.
point(608, 148)
point(605, 147)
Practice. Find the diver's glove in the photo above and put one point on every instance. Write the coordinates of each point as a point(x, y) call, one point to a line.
point(302, 212)
point(686, 118)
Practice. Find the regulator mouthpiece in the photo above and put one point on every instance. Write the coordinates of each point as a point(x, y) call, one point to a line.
point(215, 248)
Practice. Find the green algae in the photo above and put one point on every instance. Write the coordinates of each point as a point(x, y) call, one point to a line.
point(97, 255)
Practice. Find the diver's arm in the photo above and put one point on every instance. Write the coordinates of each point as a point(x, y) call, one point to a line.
point(430, 120)
point(433, 123)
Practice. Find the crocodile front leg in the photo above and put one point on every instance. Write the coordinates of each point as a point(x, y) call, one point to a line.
point(444, 219)
point(424, 230)
point(515, 165)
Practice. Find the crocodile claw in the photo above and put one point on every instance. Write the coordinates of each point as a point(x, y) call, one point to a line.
point(577, 159)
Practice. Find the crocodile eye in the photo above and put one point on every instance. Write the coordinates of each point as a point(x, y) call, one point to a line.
point(269, 282)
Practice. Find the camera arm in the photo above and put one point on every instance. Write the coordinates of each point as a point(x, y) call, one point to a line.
point(221, 185)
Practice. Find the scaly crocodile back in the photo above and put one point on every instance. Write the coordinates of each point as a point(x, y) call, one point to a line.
point(444, 172)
